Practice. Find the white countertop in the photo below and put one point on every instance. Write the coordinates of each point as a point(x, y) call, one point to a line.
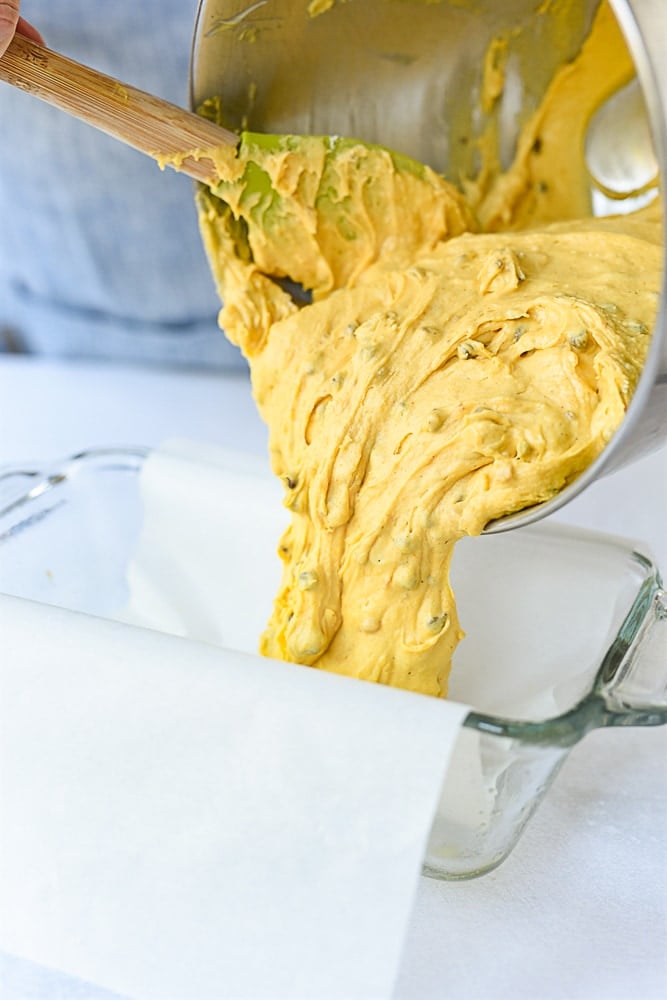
point(580, 908)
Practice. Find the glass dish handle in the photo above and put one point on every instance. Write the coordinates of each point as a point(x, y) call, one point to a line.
point(634, 678)
point(16, 485)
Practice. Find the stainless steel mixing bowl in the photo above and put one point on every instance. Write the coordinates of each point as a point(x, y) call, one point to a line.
point(405, 74)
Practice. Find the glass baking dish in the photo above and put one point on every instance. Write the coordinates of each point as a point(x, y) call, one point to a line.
point(565, 630)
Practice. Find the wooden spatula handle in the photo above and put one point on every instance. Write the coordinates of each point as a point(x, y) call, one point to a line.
point(162, 130)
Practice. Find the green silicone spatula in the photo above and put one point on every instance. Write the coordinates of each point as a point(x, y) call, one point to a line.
point(197, 145)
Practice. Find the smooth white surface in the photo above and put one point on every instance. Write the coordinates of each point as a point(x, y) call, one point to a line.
point(580, 909)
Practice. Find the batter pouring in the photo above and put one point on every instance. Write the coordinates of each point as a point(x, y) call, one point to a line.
point(436, 378)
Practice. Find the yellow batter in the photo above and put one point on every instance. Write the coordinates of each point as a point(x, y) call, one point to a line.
point(440, 378)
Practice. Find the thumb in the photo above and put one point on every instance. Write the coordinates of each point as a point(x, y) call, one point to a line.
point(11, 22)
point(9, 18)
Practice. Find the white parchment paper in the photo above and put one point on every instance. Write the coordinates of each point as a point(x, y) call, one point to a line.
point(181, 820)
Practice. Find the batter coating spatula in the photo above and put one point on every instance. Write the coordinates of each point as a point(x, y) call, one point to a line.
point(171, 135)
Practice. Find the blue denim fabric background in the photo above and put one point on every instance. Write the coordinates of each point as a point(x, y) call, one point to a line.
point(100, 254)
point(21, 980)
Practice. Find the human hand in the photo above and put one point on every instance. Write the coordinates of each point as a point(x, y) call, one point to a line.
point(10, 22)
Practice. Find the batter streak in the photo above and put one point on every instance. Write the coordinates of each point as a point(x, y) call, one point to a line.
point(435, 378)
